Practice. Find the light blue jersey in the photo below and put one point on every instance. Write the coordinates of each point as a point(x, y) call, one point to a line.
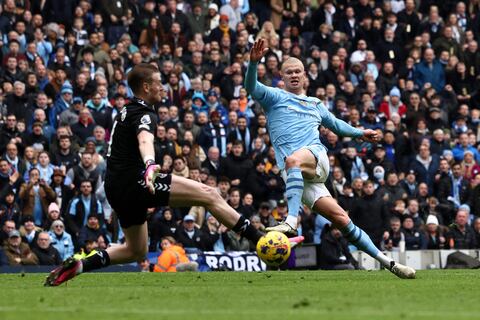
point(293, 120)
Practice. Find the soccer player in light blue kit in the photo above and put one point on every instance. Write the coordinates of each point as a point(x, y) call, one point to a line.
point(293, 121)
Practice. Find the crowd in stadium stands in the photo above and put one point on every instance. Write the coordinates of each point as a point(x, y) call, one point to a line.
point(409, 69)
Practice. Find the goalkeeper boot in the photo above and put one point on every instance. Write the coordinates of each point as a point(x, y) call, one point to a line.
point(401, 271)
point(285, 228)
point(69, 269)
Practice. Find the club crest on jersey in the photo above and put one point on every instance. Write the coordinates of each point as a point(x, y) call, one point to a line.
point(145, 121)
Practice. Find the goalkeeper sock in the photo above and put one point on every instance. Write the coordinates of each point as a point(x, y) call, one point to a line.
point(101, 259)
point(362, 241)
point(294, 192)
point(245, 228)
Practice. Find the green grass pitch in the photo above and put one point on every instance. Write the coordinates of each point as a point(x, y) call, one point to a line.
point(439, 294)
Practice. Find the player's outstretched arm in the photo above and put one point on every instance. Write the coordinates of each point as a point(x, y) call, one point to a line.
point(343, 129)
point(259, 91)
point(147, 151)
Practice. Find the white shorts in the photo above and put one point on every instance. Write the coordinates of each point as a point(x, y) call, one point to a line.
point(315, 188)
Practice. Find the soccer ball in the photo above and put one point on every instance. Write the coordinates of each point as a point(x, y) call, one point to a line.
point(273, 248)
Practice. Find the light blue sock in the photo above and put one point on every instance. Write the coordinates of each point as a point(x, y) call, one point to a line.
point(360, 239)
point(294, 190)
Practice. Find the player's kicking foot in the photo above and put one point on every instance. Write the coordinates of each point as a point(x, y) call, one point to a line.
point(295, 241)
point(285, 228)
point(402, 271)
point(69, 269)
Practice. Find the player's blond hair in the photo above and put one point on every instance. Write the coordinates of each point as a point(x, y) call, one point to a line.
point(292, 60)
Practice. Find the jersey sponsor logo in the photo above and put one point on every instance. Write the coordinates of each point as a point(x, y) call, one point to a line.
point(144, 122)
point(303, 112)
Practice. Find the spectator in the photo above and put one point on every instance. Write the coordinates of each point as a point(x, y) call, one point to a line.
point(435, 238)
point(242, 133)
point(10, 133)
point(280, 212)
point(180, 167)
point(53, 215)
point(462, 146)
point(189, 235)
point(425, 165)
point(413, 210)
point(213, 163)
point(224, 185)
point(19, 253)
point(36, 195)
point(9, 178)
point(92, 230)
point(234, 13)
point(393, 105)
point(70, 116)
point(334, 252)
point(410, 184)
point(461, 235)
point(429, 72)
point(9, 209)
point(265, 215)
point(14, 160)
point(352, 164)
point(173, 258)
point(45, 167)
point(85, 170)
point(213, 230)
point(379, 159)
point(414, 238)
point(394, 236)
point(370, 214)
point(63, 103)
point(189, 125)
point(61, 240)
point(85, 125)
point(236, 165)
point(438, 143)
point(7, 227)
point(392, 191)
point(65, 156)
point(100, 110)
point(214, 134)
point(234, 199)
point(29, 231)
point(164, 226)
point(46, 253)
point(235, 242)
point(257, 182)
point(81, 207)
point(163, 146)
point(222, 29)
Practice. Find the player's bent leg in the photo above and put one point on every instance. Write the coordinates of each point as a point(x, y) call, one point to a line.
point(299, 165)
point(135, 247)
point(331, 210)
point(186, 192)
